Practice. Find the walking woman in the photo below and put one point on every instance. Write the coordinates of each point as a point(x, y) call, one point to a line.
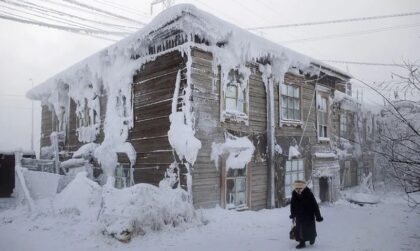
point(304, 210)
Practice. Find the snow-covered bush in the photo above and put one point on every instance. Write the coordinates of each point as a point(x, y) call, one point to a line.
point(124, 213)
point(142, 208)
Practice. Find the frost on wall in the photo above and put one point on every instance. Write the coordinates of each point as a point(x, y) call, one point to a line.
point(111, 72)
point(239, 152)
point(294, 152)
point(181, 132)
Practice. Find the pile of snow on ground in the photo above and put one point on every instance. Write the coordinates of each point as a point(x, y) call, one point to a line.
point(124, 213)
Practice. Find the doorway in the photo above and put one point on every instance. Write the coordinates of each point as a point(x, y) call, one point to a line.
point(324, 189)
point(7, 174)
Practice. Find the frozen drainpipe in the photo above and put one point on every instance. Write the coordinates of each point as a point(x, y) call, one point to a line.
point(270, 141)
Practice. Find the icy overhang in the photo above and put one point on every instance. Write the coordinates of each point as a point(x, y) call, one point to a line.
point(193, 23)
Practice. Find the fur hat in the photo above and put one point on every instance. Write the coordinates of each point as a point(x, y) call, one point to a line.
point(299, 184)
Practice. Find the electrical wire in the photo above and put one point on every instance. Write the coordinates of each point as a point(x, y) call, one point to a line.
point(363, 63)
point(350, 34)
point(93, 8)
point(346, 20)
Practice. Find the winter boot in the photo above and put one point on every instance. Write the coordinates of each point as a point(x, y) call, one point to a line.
point(301, 245)
point(312, 241)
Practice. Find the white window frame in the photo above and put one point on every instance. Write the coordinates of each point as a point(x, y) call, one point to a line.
point(239, 115)
point(294, 170)
point(234, 195)
point(322, 110)
point(285, 96)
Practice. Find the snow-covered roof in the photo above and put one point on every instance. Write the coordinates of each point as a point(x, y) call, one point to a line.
point(131, 51)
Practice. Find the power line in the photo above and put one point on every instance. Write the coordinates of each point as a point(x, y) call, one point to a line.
point(363, 63)
point(357, 19)
point(60, 13)
point(61, 27)
point(103, 11)
point(350, 34)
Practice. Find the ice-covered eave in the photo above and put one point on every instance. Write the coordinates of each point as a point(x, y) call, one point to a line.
point(331, 71)
point(246, 45)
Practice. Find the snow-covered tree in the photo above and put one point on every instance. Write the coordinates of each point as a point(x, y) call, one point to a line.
point(399, 131)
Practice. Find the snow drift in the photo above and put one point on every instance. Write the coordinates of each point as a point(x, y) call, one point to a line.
point(124, 213)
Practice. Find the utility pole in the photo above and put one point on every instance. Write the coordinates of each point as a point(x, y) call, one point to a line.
point(32, 118)
point(165, 3)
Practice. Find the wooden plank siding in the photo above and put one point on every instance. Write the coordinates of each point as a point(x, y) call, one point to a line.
point(207, 179)
point(153, 90)
point(290, 134)
point(49, 123)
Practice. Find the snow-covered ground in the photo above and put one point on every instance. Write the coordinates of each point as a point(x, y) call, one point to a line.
point(388, 225)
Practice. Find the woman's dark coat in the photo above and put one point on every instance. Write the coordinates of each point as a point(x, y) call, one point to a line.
point(304, 208)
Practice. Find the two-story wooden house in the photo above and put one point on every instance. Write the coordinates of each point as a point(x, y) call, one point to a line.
point(190, 99)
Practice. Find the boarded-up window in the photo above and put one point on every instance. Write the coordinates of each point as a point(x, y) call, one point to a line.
point(295, 170)
point(290, 102)
point(236, 180)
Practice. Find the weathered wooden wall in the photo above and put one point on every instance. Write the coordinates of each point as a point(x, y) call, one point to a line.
point(49, 123)
point(207, 180)
point(153, 90)
point(291, 134)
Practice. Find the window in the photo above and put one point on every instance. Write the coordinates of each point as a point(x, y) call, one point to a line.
point(122, 175)
point(343, 124)
point(322, 117)
point(294, 171)
point(290, 102)
point(235, 98)
point(236, 188)
point(234, 104)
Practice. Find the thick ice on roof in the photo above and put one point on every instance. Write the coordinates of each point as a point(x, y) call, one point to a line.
point(111, 70)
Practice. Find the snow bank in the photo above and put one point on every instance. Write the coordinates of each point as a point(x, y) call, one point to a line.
point(41, 184)
point(142, 208)
point(80, 197)
point(239, 150)
point(124, 213)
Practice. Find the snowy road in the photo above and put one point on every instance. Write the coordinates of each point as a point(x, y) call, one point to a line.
point(390, 225)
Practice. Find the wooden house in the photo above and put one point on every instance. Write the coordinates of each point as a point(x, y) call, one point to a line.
point(231, 117)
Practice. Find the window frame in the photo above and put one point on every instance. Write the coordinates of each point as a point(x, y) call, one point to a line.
point(121, 181)
point(300, 174)
point(224, 173)
point(235, 179)
point(234, 115)
point(326, 125)
point(288, 120)
point(344, 126)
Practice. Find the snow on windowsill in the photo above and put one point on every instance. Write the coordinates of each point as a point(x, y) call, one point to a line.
point(235, 116)
point(327, 155)
point(295, 123)
point(323, 139)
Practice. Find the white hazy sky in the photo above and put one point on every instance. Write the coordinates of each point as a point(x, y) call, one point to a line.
point(31, 54)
